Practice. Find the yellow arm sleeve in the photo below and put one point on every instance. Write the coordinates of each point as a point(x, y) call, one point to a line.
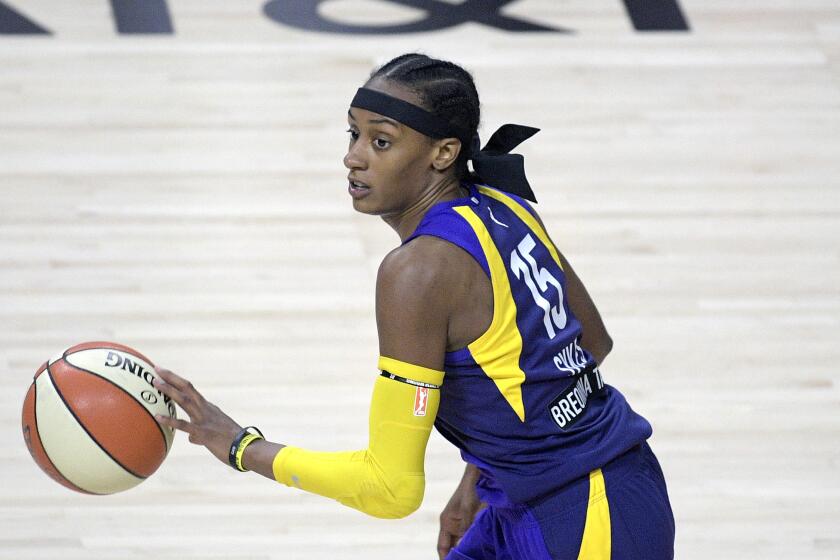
point(386, 479)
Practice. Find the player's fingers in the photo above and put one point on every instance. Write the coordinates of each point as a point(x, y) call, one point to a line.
point(445, 542)
point(464, 524)
point(177, 381)
point(176, 423)
point(169, 390)
point(454, 524)
point(188, 404)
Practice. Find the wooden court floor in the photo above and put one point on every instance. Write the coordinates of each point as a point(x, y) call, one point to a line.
point(184, 194)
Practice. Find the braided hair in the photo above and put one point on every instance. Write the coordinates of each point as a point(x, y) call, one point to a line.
point(445, 89)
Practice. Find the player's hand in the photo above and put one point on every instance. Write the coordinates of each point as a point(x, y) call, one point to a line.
point(459, 513)
point(207, 424)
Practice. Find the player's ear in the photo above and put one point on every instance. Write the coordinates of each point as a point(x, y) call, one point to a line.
point(445, 153)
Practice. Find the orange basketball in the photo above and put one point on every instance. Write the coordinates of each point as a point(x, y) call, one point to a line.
point(88, 418)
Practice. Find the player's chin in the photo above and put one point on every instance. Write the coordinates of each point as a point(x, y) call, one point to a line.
point(367, 205)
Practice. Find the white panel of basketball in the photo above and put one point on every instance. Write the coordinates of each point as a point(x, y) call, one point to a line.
point(71, 449)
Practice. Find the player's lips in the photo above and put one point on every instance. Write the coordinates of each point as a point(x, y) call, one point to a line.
point(357, 189)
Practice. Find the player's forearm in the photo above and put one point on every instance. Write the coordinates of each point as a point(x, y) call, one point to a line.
point(259, 457)
point(384, 480)
point(355, 479)
point(380, 486)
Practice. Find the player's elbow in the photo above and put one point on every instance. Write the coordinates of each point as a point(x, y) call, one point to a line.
point(603, 350)
point(393, 501)
point(599, 348)
point(401, 509)
point(606, 347)
point(404, 499)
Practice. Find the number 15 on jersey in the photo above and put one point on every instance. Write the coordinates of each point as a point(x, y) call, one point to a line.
point(538, 279)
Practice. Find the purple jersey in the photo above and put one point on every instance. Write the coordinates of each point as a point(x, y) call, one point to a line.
point(525, 401)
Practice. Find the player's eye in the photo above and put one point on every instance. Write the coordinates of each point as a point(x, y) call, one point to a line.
point(381, 143)
point(354, 134)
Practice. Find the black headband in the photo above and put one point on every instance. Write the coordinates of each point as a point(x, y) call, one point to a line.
point(494, 164)
point(410, 115)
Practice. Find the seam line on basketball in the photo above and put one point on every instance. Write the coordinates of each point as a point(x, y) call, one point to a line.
point(160, 429)
point(93, 439)
point(41, 441)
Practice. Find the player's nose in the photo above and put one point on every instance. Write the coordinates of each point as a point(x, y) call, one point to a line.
point(354, 158)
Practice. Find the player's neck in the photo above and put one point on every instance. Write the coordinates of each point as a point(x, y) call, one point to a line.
point(405, 222)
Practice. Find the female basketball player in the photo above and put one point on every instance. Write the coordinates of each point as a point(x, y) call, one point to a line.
point(486, 332)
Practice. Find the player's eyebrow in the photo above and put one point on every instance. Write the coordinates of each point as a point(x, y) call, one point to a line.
point(382, 120)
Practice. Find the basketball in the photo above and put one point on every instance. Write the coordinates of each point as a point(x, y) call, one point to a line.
point(88, 418)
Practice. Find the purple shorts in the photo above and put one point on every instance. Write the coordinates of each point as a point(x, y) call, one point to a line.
point(618, 512)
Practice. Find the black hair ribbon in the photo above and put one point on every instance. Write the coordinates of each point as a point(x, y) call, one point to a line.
point(496, 166)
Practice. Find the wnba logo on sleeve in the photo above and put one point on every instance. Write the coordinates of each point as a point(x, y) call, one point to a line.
point(421, 397)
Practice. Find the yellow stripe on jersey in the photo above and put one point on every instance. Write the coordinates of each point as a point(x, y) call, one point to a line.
point(597, 538)
point(497, 351)
point(526, 217)
point(411, 371)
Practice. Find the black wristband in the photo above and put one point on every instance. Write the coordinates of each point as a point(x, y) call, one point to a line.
point(234, 447)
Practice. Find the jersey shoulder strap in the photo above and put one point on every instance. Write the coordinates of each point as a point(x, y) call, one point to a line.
point(444, 222)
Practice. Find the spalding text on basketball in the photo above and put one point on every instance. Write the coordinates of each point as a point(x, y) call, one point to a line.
point(117, 360)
